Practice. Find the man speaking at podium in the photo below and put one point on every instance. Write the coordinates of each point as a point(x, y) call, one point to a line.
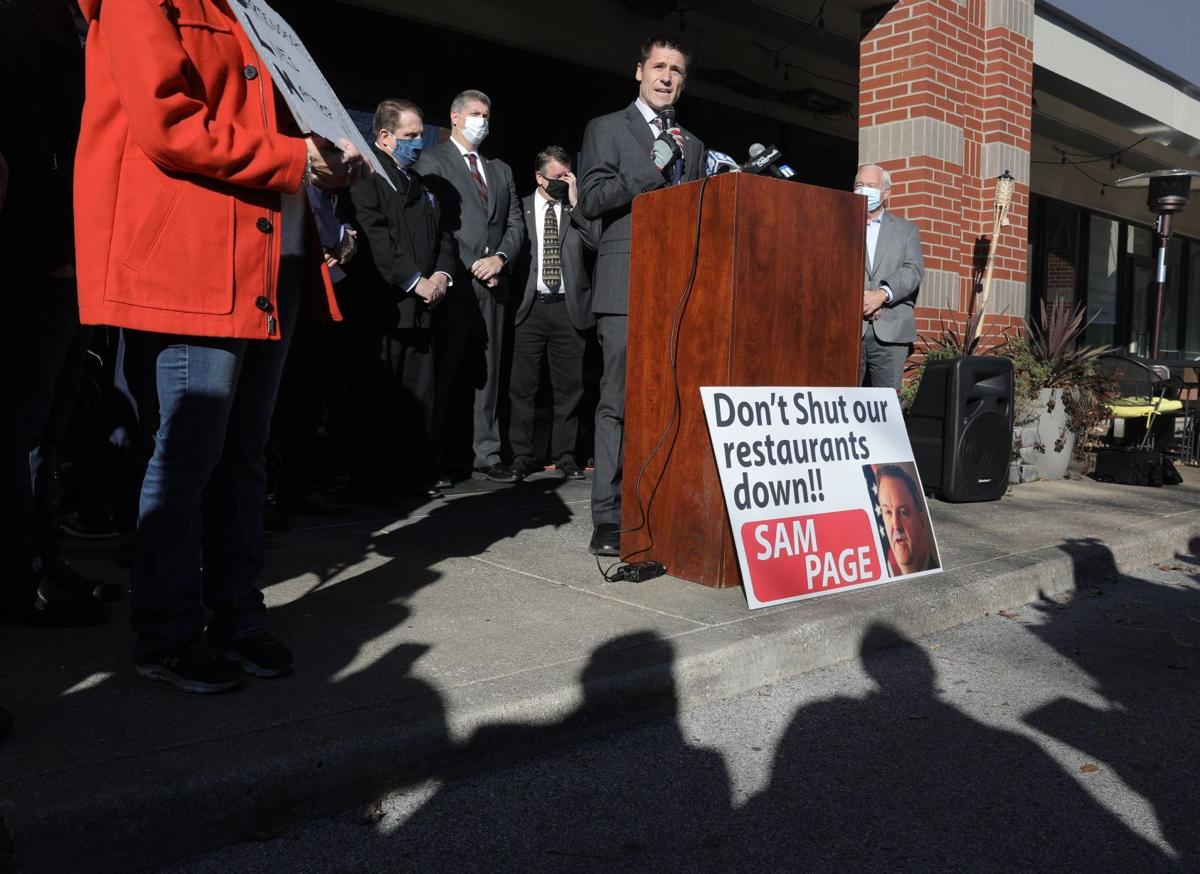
point(624, 154)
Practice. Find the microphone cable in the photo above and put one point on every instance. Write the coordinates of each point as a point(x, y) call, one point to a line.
point(677, 405)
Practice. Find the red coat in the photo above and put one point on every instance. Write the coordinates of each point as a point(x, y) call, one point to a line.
point(178, 175)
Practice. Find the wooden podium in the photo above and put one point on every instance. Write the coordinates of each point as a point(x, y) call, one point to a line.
point(776, 300)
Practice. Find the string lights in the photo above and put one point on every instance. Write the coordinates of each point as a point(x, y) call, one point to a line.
point(1079, 159)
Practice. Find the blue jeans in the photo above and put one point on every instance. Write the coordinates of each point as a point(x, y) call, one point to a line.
point(42, 347)
point(200, 515)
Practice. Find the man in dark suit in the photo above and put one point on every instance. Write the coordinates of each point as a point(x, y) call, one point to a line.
point(389, 307)
point(554, 312)
point(482, 210)
point(625, 154)
point(894, 271)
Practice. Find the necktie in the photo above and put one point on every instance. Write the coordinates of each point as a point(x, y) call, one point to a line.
point(551, 252)
point(473, 160)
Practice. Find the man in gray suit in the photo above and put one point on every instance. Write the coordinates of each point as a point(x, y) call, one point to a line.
point(625, 154)
point(480, 205)
point(554, 313)
point(894, 271)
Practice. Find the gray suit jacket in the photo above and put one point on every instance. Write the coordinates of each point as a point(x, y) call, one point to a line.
point(498, 228)
point(577, 234)
point(898, 265)
point(615, 167)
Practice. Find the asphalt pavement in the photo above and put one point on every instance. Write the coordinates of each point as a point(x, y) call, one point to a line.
point(1058, 736)
point(442, 636)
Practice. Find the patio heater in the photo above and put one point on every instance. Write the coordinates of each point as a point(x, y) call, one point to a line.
point(1167, 195)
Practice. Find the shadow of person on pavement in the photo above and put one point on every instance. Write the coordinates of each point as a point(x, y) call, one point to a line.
point(359, 638)
point(661, 806)
point(901, 781)
point(1142, 647)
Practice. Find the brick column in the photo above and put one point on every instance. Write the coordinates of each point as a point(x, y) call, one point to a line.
point(945, 92)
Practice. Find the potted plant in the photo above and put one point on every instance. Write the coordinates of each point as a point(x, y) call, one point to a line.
point(1057, 391)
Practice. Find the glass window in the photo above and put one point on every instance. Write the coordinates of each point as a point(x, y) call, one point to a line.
point(1140, 242)
point(1191, 345)
point(1102, 281)
point(1168, 335)
point(1062, 252)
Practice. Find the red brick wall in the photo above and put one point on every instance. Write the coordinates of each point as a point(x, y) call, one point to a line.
point(939, 59)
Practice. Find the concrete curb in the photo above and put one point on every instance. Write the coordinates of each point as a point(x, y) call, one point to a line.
point(111, 817)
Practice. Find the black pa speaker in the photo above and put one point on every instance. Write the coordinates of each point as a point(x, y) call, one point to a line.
point(960, 427)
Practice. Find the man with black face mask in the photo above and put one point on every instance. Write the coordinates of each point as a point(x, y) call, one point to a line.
point(554, 312)
point(392, 291)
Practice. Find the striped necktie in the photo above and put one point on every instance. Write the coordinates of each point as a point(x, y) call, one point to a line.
point(473, 160)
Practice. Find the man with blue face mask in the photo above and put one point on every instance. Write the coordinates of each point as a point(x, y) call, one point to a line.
point(894, 268)
point(392, 291)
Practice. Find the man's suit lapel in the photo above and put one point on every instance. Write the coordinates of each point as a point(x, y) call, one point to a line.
point(491, 174)
point(399, 198)
point(638, 126)
point(458, 165)
point(881, 243)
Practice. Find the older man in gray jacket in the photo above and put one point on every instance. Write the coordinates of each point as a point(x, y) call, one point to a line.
point(894, 269)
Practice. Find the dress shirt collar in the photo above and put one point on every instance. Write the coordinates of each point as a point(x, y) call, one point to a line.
point(647, 113)
point(464, 151)
point(877, 219)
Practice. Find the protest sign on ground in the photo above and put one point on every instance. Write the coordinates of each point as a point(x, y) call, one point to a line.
point(821, 489)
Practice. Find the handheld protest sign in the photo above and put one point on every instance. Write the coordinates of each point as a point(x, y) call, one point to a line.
point(821, 489)
point(312, 102)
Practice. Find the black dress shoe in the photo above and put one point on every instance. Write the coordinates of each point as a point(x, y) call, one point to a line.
point(522, 468)
point(497, 473)
point(570, 469)
point(606, 539)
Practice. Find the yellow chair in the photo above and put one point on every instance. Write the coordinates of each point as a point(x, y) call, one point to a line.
point(1141, 393)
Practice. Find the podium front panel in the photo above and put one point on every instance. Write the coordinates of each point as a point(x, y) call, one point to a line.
point(776, 299)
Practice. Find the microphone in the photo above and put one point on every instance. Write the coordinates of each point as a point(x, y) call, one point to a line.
point(718, 162)
point(666, 116)
point(767, 160)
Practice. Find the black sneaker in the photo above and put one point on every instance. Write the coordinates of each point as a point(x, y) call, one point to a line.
point(260, 654)
point(194, 667)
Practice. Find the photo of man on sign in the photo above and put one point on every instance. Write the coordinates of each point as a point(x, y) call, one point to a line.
point(903, 517)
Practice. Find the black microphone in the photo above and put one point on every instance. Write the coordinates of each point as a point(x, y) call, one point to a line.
point(666, 117)
point(767, 160)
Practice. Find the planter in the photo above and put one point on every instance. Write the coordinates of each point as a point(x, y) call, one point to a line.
point(1042, 445)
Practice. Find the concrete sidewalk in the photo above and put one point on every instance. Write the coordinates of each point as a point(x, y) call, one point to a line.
point(414, 631)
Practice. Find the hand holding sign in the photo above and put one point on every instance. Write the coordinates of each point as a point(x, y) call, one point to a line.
point(334, 168)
